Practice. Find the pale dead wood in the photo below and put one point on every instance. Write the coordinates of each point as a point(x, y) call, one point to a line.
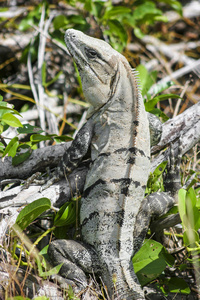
point(179, 126)
point(185, 125)
point(58, 193)
point(31, 115)
point(190, 138)
point(177, 74)
point(153, 44)
point(38, 161)
point(12, 12)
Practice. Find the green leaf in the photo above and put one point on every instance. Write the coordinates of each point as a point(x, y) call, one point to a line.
point(54, 79)
point(160, 87)
point(44, 250)
point(31, 19)
point(44, 254)
point(77, 19)
point(71, 295)
point(27, 128)
point(4, 109)
point(39, 137)
point(167, 96)
point(193, 214)
point(61, 232)
point(11, 120)
point(1, 98)
point(160, 169)
point(52, 271)
point(2, 147)
point(144, 9)
point(115, 11)
point(116, 29)
point(66, 215)
point(1, 128)
point(181, 203)
point(151, 103)
point(33, 210)
point(192, 196)
point(95, 8)
point(178, 285)
point(149, 261)
point(190, 236)
point(154, 183)
point(143, 74)
point(159, 19)
point(188, 210)
point(157, 112)
point(20, 158)
point(146, 79)
point(60, 21)
point(176, 5)
point(138, 33)
point(31, 48)
point(62, 138)
point(12, 147)
point(44, 73)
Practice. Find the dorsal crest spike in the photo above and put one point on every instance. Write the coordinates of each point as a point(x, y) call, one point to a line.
point(136, 78)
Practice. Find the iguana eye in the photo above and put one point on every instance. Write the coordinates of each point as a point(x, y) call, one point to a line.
point(91, 53)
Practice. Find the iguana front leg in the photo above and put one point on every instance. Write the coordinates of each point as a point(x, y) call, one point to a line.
point(159, 203)
point(74, 155)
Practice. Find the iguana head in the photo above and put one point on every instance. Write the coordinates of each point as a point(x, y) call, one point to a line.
point(97, 63)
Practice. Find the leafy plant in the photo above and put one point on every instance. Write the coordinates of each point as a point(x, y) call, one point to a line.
point(32, 211)
point(147, 80)
point(189, 206)
point(150, 261)
point(116, 23)
point(29, 214)
point(155, 181)
point(7, 117)
point(14, 147)
point(113, 21)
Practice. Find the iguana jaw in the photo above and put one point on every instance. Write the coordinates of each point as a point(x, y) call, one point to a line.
point(96, 69)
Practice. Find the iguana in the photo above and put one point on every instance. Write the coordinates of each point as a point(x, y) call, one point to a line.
point(114, 217)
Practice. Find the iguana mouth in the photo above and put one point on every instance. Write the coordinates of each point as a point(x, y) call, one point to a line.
point(76, 54)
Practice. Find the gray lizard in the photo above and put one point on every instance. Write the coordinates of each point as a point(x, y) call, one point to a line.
point(114, 217)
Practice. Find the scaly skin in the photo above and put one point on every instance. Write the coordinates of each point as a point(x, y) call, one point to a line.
point(114, 185)
point(114, 217)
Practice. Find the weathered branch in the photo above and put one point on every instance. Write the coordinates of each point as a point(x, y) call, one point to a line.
point(185, 125)
point(39, 160)
point(187, 141)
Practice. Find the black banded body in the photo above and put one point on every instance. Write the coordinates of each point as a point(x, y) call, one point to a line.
point(120, 146)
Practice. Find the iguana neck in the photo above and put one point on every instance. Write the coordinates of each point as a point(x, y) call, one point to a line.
point(124, 113)
point(115, 184)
